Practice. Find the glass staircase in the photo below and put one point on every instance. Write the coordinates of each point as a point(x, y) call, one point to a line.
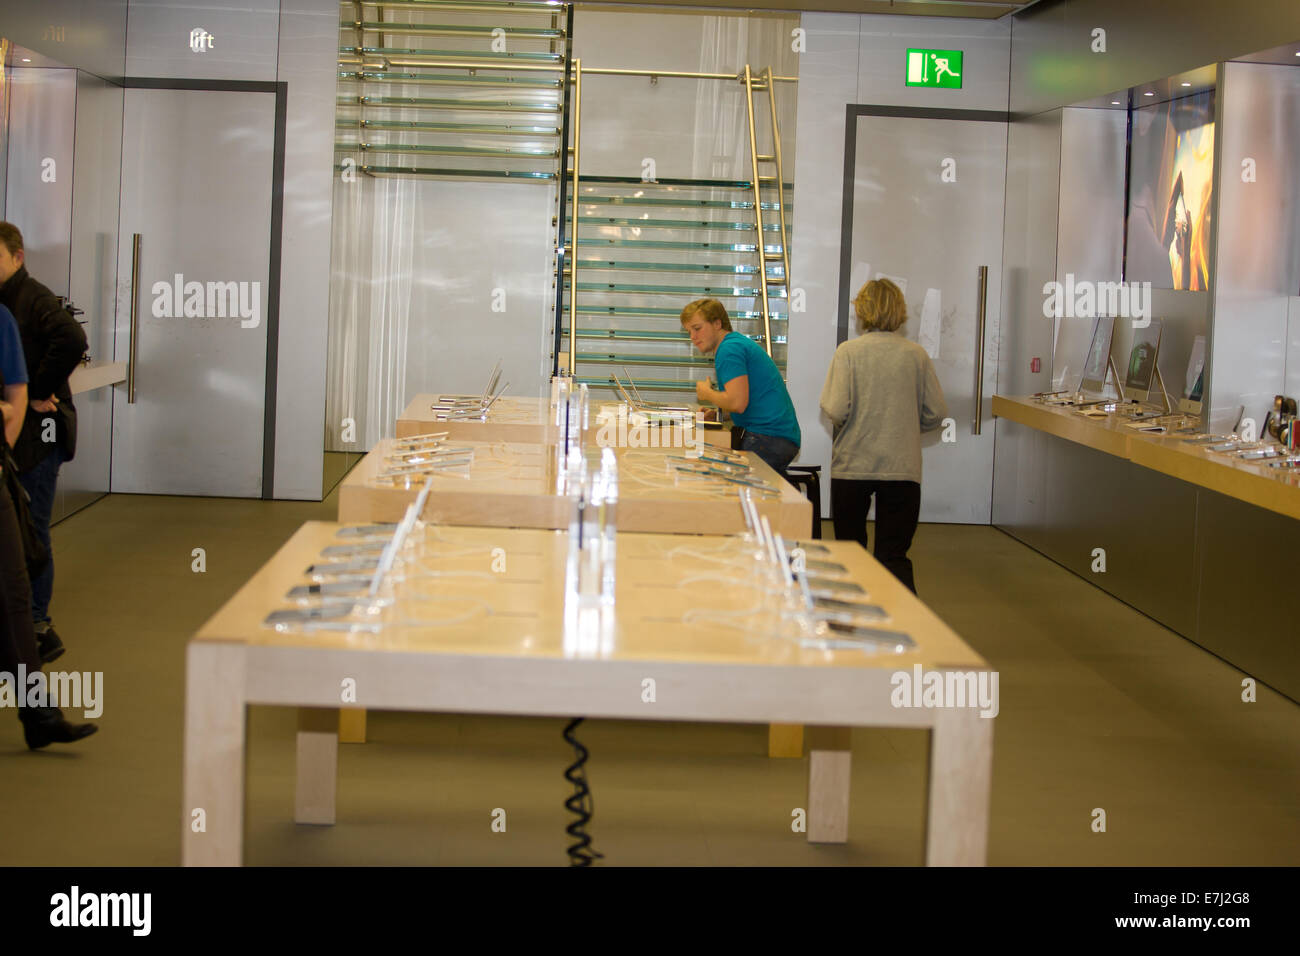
point(461, 89)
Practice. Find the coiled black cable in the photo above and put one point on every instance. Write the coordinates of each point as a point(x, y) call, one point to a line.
point(580, 804)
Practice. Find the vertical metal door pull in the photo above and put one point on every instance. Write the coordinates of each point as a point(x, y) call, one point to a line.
point(979, 350)
point(135, 319)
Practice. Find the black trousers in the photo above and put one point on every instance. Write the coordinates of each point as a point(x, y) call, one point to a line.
point(898, 507)
point(17, 636)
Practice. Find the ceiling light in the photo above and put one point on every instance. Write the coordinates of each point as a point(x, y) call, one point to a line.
point(28, 59)
point(1187, 84)
point(1114, 102)
point(1148, 93)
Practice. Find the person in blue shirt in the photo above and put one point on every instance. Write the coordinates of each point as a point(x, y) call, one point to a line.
point(750, 386)
point(13, 373)
point(42, 725)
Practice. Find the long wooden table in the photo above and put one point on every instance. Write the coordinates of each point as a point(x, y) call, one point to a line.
point(1253, 482)
point(682, 627)
point(513, 484)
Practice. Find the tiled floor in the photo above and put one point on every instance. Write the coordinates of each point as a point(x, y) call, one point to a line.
point(1100, 708)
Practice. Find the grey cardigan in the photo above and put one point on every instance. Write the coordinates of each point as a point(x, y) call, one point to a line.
point(881, 392)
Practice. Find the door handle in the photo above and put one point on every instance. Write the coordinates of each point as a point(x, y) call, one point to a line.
point(135, 319)
point(979, 349)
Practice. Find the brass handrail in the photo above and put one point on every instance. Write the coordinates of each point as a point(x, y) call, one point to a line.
point(573, 234)
point(758, 207)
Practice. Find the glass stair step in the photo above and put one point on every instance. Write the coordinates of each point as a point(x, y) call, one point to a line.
point(599, 358)
point(717, 292)
point(614, 311)
point(399, 171)
point(446, 79)
point(606, 264)
point(506, 151)
point(651, 335)
point(388, 52)
point(498, 129)
point(669, 182)
point(714, 224)
point(721, 247)
point(677, 203)
point(434, 103)
point(396, 28)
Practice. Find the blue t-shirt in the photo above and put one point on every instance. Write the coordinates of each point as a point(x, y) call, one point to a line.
point(13, 367)
point(770, 410)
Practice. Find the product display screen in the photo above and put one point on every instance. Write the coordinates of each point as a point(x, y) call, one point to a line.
point(1142, 358)
point(1195, 381)
point(1170, 194)
point(1094, 369)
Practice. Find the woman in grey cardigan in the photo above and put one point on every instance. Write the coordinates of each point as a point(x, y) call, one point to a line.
point(881, 393)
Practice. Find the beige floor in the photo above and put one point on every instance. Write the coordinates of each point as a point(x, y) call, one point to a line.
point(1101, 708)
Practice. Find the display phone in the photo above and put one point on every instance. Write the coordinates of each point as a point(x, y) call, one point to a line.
point(854, 634)
point(851, 609)
point(819, 584)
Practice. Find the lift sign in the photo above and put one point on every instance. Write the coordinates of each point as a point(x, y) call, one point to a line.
point(936, 68)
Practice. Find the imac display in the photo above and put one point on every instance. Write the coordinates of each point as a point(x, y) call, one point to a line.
point(1142, 357)
point(1194, 382)
point(1094, 367)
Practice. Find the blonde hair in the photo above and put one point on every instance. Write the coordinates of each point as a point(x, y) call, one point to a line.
point(879, 305)
point(711, 309)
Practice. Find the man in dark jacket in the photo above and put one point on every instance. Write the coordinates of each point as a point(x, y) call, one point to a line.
point(53, 343)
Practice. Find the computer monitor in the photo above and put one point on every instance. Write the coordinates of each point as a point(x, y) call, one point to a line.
point(1140, 375)
point(1193, 386)
point(1098, 360)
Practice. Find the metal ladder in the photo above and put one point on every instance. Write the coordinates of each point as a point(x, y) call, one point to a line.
point(772, 286)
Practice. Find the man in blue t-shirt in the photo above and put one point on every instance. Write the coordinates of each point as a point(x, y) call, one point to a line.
point(762, 414)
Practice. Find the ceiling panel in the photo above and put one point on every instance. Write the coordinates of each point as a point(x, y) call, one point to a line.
point(977, 9)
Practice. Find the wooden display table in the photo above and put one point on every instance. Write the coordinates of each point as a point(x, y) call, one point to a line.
point(510, 420)
point(512, 484)
point(492, 640)
point(1253, 482)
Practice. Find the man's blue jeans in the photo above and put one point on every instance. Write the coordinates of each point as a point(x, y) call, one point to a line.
point(40, 482)
point(777, 452)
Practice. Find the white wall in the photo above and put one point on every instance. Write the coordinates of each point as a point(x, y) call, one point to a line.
point(308, 51)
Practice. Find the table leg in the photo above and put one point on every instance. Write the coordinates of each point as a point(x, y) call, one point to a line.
point(212, 810)
point(961, 772)
point(318, 764)
point(828, 784)
point(785, 740)
point(352, 725)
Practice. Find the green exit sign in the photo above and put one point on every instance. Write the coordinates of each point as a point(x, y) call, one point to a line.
point(937, 68)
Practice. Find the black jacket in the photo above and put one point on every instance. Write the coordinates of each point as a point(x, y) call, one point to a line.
point(53, 343)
